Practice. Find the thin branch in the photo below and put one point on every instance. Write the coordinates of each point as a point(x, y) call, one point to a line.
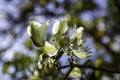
point(90, 67)
point(67, 74)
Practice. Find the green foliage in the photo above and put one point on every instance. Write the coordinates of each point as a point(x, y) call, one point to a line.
point(6, 67)
point(58, 44)
point(37, 32)
point(29, 44)
point(22, 61)
point(75, 73)
point(59, 27)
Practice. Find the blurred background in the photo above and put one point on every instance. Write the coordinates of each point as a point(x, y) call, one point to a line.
point(100, 18)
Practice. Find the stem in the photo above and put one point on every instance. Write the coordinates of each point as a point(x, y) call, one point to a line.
point(90, 67)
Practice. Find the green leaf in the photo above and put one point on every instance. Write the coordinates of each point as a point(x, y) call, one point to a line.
point(39, 64)
point(80, 42)
point(43, 30)
point(6, 67)
point(34, 31)
point(56, 26)
point(48, 66)
point(50, 49)
point(80, 54)
point(55, 41)
point(77, 34)
point(29, 44)
point(37, 31)
point(75, 73)
point(59, 27)
point(63, 27)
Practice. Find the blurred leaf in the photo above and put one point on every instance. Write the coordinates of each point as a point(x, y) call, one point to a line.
point(75, 73)
point(29, 44)
point(43, 2)
point(80, 54)
point(26, 10)
point(22, 61)
point(35, 76)
point(78, 6)
point(99, 62)
point(6, 67)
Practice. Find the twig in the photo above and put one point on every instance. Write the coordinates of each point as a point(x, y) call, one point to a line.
point(90, 67)
point(67, 74)
point(71, 67)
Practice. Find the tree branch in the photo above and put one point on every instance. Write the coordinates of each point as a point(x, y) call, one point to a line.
point(90, 67)
point(67, 74)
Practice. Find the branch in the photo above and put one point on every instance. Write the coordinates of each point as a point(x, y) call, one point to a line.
point(67, 73)
point(90, 67)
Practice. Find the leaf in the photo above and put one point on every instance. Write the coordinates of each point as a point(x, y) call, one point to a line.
point(37, 31)
point(48, 66)
point(80, 54)
point(43, 30)
point(55, 28)
point(77, 34)
point(80, 42)
point(6, 67)
point(34, 30)
point(40, 66)
point(75, 73)
point(55, 41)
point(29, 44)
point(63, 27)
point(99, 62)
point(59, 27)
point(50, 49)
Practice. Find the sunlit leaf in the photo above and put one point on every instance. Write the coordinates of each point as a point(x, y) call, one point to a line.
point(59, 27)
point(75, 73)
point(37, 31)
point(43, 30)
point(77, 34)
point(50, 49)
point(63, 27)
point(80, 54)
point(55, 28)
point(80, 42)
